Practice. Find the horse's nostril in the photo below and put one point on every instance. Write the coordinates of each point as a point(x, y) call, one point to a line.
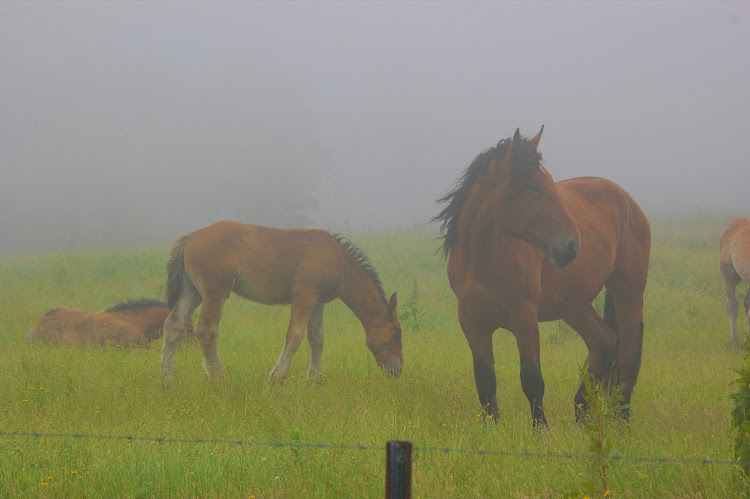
point(573, 247)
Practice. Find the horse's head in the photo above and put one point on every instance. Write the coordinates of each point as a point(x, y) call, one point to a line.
point(527, 203)
point(384, 339)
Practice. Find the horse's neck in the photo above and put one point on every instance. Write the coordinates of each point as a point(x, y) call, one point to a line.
point(477, 231)
point(360, 294)
point(480, 239)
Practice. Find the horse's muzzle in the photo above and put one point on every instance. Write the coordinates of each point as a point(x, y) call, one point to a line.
point(565, 253)
point(392, 367)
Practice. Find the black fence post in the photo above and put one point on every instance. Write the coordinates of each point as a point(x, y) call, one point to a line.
point(398, 470)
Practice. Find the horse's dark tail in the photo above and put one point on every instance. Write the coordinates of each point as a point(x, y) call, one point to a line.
point(610, 319)
point(175, 272)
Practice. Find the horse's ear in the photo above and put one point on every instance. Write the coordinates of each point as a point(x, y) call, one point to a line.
point(393, 305)
point(515, 146)
point(535, 141)
point(517, 137)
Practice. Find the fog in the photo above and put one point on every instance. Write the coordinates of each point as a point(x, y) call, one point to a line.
point(128, 124)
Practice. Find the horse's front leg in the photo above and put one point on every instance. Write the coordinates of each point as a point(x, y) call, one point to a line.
point(304, 302)
point(480, 342)
point(601, 343)
point(526, 330)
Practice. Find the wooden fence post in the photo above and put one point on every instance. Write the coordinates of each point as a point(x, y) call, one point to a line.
point(398, 470)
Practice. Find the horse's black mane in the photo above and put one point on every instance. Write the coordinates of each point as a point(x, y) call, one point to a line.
point(456, 198)
point(363, 261)
point(134, 303)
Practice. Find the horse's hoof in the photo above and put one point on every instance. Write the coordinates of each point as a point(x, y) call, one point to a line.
point(540, 424)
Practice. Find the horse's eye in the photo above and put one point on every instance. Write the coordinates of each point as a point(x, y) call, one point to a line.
point(397, 333)
point(534, 189)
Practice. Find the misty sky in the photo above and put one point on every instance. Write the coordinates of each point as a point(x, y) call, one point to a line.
point(127, 124)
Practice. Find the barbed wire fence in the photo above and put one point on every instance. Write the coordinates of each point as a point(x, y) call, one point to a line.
point(360, 447)
point(398, 472)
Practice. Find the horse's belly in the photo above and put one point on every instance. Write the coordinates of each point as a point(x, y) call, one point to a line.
point(263, 291)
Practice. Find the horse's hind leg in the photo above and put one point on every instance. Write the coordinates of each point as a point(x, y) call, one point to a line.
point(304, 302)
point(176, 325)
point(208, 333)
point(731, 280)
point(315, 337)
point(629, 308)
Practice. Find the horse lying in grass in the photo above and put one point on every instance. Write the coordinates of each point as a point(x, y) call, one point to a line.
point(523, 249)
point(306, 268)
point(734, 264)
point(138, 322)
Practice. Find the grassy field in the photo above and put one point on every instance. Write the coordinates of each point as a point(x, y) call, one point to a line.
point(680, 407)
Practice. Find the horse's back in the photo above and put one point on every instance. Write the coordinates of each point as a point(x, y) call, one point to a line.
point(600, 206)
point(614, 232)
point(260, 263)
point(734, 248)
point(600, 198)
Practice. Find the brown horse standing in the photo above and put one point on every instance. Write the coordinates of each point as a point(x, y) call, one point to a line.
point(306, 268)
point(131, 322)
point(734, 264)
point(522, 249)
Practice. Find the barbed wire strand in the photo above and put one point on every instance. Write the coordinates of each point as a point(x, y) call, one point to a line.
point(302, 445)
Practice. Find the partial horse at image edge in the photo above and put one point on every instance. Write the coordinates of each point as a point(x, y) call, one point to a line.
point(305, 268)
point(734, 265)
point(522, 249)
point(132, 322)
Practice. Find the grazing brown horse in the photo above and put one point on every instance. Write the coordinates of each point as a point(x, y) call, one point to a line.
point(131, 322)
point(306, 268)
point(734, 263)
point(522, 249)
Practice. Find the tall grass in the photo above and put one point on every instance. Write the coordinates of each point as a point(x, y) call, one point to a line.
point(680, 407)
